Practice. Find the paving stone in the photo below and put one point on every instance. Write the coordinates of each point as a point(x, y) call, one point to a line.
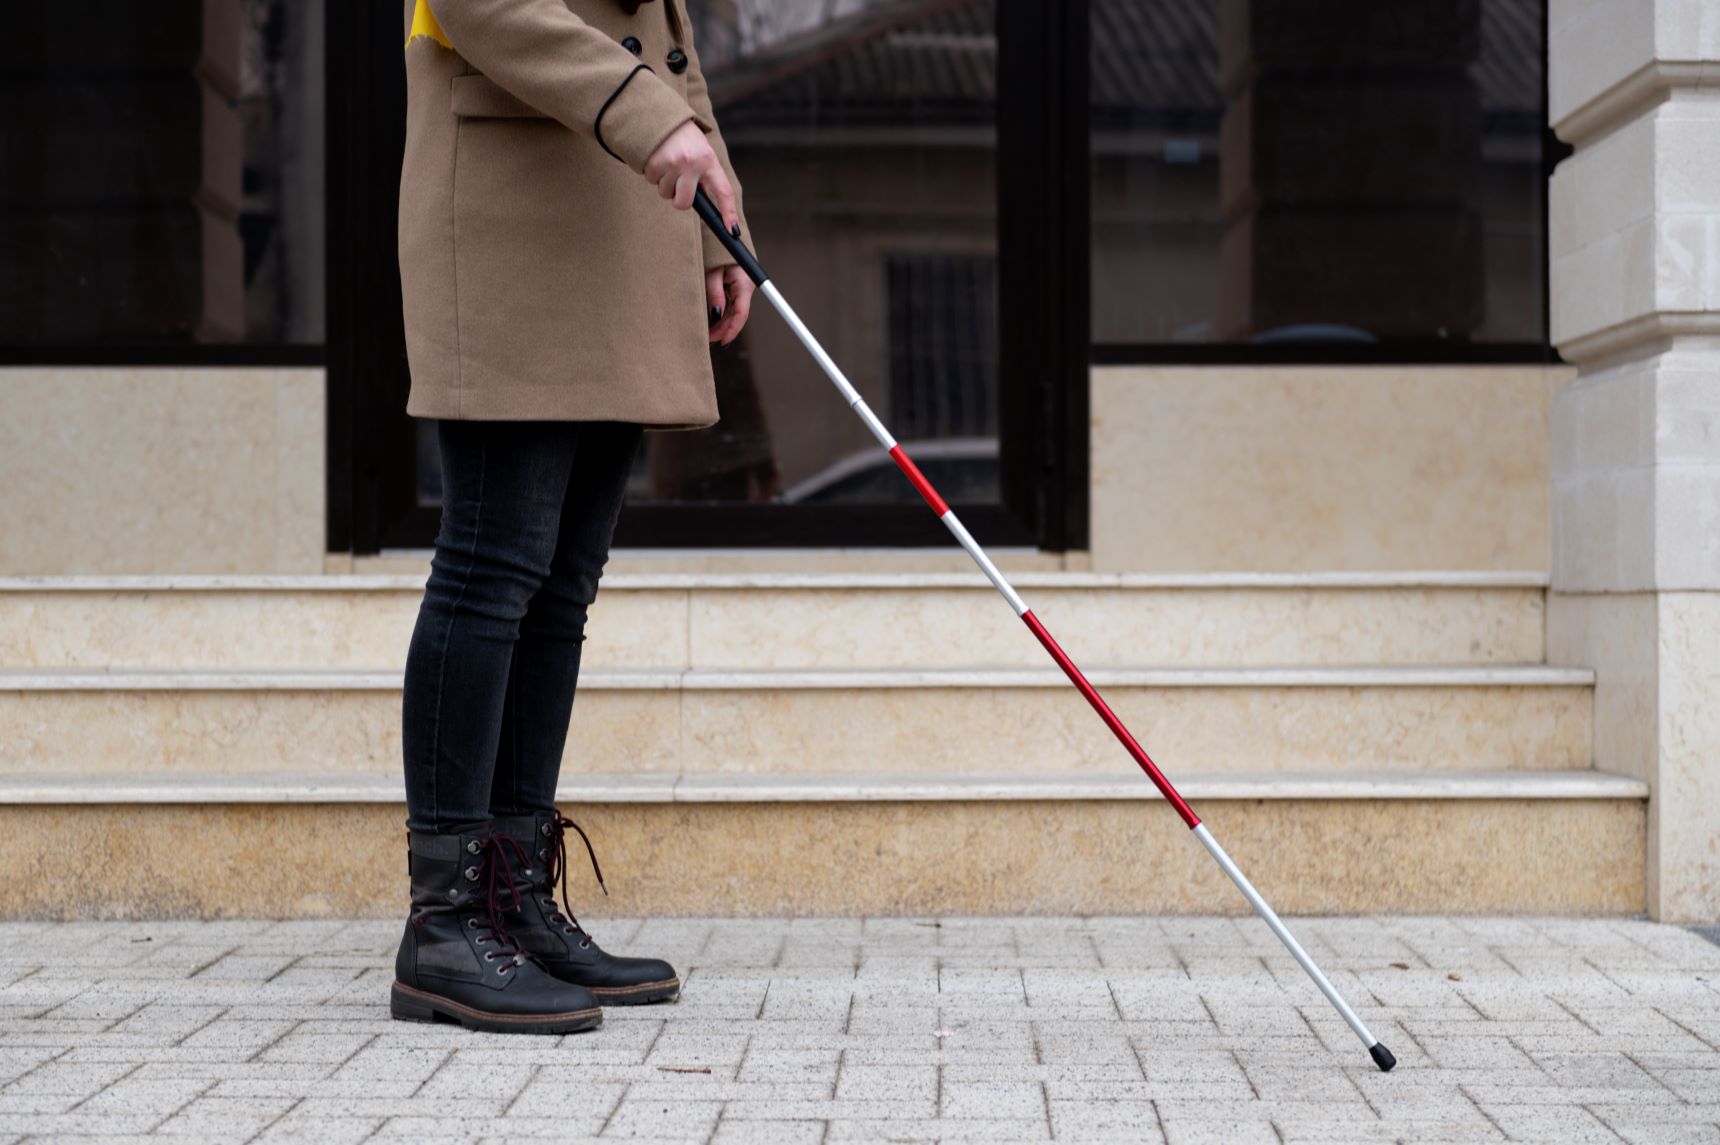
point(501, 1129)
point(16, 1061)
point(992, 1099)
point(666, 1119)
point(769, 1133)
point(1208, 1132)
point(319, 1130)
point(888, 1083)
point(1078, 1073)
point(991, 1030)
point(60, 1125)
point(227, 1118)
point(134, 1095)
point(15, 1103)
point(287, 1073)
point(1560, 1123)
point(829, 1110)
point(81, 1079)
point(992, 1131)
point(1659, 1134)
point(559, 1092)
point(1110, 1121)
point(792, 1066)
point(240, 1037)
point(303, 1045)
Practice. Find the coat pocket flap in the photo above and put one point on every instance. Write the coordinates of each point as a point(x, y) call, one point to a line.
point(480, 97)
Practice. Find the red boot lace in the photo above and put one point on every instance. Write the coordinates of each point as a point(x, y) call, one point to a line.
point(557, 871)
point(493, 858)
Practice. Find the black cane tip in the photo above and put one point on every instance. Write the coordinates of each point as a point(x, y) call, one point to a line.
point(1382, 1057)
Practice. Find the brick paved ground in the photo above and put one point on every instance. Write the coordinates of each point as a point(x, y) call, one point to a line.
point(1175, 1030)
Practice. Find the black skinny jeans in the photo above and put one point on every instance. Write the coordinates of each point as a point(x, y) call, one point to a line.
point(528, 509)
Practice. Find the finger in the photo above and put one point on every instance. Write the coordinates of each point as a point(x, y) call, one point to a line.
point(740, 306)
point(684, 188)
point(666, 185)
point(717, 184)
point(716, 300)
point(726, 329)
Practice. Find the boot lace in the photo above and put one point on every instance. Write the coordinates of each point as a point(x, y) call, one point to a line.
point(557, 871)
point(499, 881)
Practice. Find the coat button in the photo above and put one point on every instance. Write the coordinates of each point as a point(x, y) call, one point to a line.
point(677, 61)
point(632, 44)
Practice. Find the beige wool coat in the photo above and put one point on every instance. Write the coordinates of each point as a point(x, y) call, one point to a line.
point(543, 278)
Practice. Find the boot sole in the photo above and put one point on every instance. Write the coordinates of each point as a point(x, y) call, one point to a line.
point(668, 990)
point(409, 1005)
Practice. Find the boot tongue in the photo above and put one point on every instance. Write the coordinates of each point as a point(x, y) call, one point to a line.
point(530, 832)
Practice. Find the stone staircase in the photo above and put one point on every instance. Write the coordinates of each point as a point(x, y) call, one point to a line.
point(834, 741)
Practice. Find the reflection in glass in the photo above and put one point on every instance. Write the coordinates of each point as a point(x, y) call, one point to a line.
point(161, 173)
point(1273, 172)
point(863, 133)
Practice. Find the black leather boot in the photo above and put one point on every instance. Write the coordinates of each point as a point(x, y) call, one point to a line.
point(555, 938)
point(457, 962)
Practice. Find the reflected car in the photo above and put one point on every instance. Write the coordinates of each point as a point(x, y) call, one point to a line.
point(963, 469)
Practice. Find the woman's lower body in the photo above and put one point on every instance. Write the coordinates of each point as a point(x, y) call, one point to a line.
point(528, 511)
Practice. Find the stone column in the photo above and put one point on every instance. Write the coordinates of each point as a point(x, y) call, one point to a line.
point(1635, 269)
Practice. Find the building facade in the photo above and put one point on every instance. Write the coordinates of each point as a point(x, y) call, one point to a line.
point(1339, 384)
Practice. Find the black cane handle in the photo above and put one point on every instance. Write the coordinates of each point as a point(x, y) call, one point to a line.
point(731, 241)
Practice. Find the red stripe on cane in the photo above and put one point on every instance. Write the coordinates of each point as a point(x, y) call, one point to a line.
point(912, 471)
point(1111, 720)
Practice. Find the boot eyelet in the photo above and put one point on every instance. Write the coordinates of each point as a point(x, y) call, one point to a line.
point(489, 956)
point(543, 852)
point(546, 830)
point(472, 847)
point(472, 873)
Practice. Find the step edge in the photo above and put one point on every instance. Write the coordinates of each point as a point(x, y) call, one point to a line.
point(806, 679)
point(1578, 784)
point(635, 582)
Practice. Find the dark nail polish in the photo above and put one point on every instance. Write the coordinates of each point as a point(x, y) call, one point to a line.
point(735, 230)
point(716, 316)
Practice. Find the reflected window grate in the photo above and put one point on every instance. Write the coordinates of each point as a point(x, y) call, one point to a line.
point(943, 345)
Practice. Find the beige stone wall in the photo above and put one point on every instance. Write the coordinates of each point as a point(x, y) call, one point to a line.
point(161, 470)
point(1203, 468)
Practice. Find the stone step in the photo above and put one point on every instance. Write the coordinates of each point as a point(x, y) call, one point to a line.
point(1026, 721)
point(293, 846)
point(1012, 559)
point(802, 620)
